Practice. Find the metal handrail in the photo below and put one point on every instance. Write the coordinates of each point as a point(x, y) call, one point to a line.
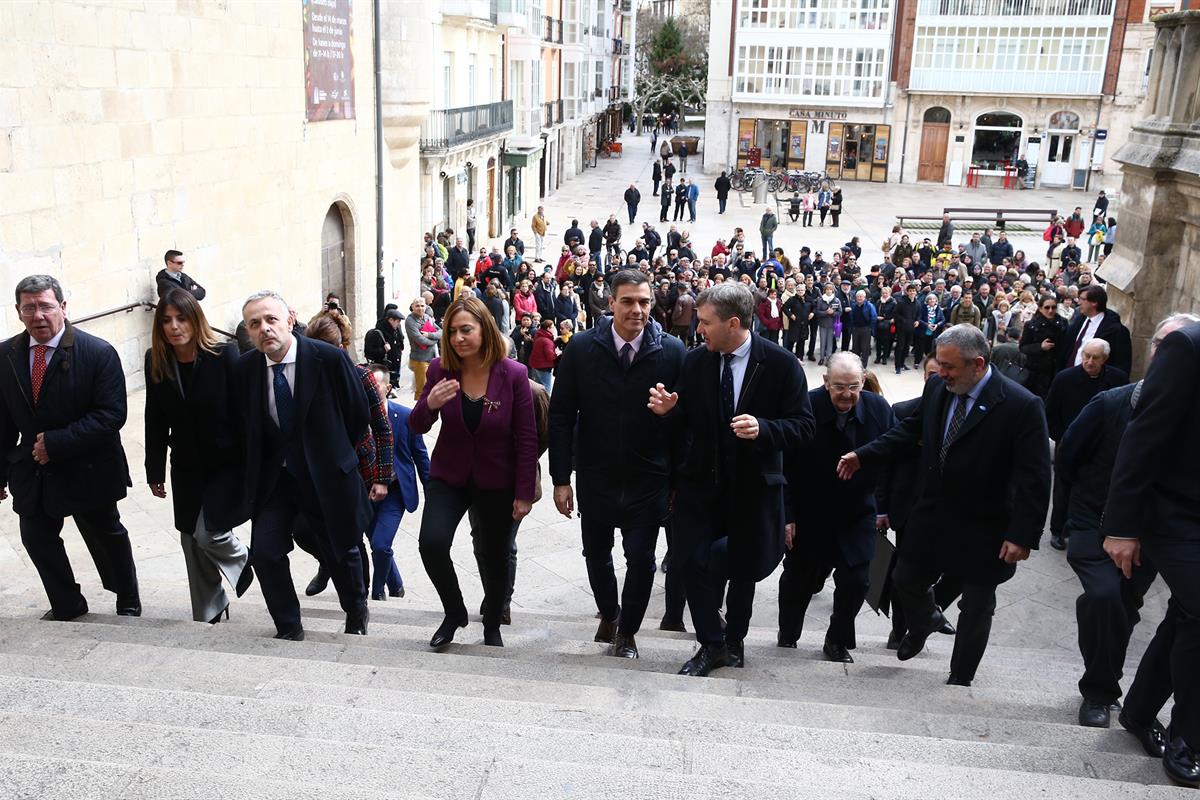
point(128, 307)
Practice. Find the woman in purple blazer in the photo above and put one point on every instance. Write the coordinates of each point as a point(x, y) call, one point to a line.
point(485, 458)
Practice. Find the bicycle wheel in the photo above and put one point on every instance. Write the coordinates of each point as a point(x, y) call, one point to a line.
point(737, 181)
point(773, 183)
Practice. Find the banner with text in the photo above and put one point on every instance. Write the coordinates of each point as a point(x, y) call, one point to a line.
point(328, 59)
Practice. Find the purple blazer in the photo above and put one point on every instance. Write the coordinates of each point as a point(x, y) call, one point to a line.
point(502, 453)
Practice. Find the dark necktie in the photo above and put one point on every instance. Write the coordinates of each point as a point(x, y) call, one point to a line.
point(1078, 341)
point(727, 406)
point(627, 355)
point(38, 374)
point(285, 407)
point(956, 421)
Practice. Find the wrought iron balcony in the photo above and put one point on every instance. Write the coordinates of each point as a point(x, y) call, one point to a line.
point(446, 128)
point(1015, 8)
point(552, 113)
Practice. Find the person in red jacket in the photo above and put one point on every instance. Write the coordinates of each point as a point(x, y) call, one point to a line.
point(543, 358)
point(770, 316)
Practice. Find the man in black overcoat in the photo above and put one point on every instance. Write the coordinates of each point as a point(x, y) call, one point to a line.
point(304, 411)
point(619, 450)
point(838, 534)
point(742, 402)
point(1152, 508)
point(62, 407)
point(975, 428)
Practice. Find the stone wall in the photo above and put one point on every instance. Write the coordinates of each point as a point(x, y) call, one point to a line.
point(130, 128)
point(1154, 269)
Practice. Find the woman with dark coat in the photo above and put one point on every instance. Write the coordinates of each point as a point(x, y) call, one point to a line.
point(485, 460)
point(189, 412)
point(384, 344)
point(1042, 340)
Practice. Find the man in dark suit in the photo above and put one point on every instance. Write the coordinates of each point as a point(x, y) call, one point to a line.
point(975, 428)
point(1069, 392)
point(620, 451)
point(62, 393)
point(899, 482)
point(173, 277)
point(1107, 611)
point(304, 411)
point(1095, 320)
point(1153, 498)
point(839, 535)
point(742, 402)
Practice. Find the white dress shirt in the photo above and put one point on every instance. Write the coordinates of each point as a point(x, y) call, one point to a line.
point(52, 344)
point(972, 396)
point(1090, 326)
point(618, 342)
point(741, 358)
point(289, 372)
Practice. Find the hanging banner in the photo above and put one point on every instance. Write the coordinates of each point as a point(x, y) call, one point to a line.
point(328, 59)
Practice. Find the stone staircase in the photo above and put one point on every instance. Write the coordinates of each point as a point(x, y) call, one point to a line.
point(161, 707)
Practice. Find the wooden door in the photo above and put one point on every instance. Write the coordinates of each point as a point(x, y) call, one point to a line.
point(935, 136)
point(333, 253)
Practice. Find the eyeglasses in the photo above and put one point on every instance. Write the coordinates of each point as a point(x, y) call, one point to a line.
point(846, 387)
point(29, 309)
point(1049, 307)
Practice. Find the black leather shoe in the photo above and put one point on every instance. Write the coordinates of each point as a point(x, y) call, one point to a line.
point(894, 639)
point(222, 613)
point(910, 645)
point(944, 626)
point(707, 658)
point(954, 680)
point(67, 616)
point(492, 637)
point(672, 624)
point(357, 623)
point(836, 652)
point(318, 583)
point(737, 654)
point(397, 592)
point(129, 606)
point(444, 635)
point(244, 580)
point(1057, 541)
point(623, 647)
point(1093, 714)
point(607, 629)
point(783, 640)
point(506, 616)
point(379, 596)
point(1180, 763)
point(294, 635)
point(1152, 737)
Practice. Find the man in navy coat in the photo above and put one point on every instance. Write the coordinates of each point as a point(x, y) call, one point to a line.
point(838, 535)
point(742, 402)
point(304, 411)
point(62, 394)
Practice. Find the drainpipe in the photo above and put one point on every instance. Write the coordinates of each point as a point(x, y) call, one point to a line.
point(904, 145)
point(1087, 175)
point(378, 68)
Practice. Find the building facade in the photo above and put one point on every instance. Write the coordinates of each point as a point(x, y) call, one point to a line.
point(927, 90)
point(127, 130)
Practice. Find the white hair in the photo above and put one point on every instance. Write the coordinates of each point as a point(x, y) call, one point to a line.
point(1105, 347)
point(264, 295)
point(843, 359)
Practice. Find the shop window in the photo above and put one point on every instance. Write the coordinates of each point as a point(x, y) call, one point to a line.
point(997, 140)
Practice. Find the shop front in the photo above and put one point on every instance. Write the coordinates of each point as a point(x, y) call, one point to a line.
point(816, 141)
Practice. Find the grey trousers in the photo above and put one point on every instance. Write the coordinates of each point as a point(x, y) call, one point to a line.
point(209, 555)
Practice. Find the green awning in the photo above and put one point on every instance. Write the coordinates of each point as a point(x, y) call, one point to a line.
point(520, 158)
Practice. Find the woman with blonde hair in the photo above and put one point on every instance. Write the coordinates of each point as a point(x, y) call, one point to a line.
point(485, 460)
point(189, 412)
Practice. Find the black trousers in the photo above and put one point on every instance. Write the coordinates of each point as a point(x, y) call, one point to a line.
point(470, 244)
point(803, 576)
point(883, 343)
point(862, 344)
point(680, 207)
point(913, 590)
point(847, 334)
point(824, 211)
point(106, 540)
point(445, 506)
point(481, 562)
point(706, 584)
point(664, 210)
point(793, 340)
point(903, 342)
point(1105, 613)
point(292, 506)
point(638, 541)
point(922, 346)
point(836, 215)
point(721, 201)
point(1061, 498)
point(945, 591)
point(657, 181)
point(1172, 659)
point(676, 588)
point(812, 338)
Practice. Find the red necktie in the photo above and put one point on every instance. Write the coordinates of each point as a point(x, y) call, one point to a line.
point(39, 369)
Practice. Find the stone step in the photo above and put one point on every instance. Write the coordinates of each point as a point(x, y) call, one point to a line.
point(23, 776)
point(409, 768)
point(814, 682)
point(130, 689)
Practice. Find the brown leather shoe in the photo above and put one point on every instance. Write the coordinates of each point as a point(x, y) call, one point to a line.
point(623, 647)
point(606, 631)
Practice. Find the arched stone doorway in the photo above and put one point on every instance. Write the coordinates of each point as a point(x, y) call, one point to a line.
point(337, 255)
point(935, 138)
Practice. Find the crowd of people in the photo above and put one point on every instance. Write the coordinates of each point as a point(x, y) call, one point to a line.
point(666, 383)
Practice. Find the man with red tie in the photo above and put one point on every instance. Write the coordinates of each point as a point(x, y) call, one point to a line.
point(62, 406)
